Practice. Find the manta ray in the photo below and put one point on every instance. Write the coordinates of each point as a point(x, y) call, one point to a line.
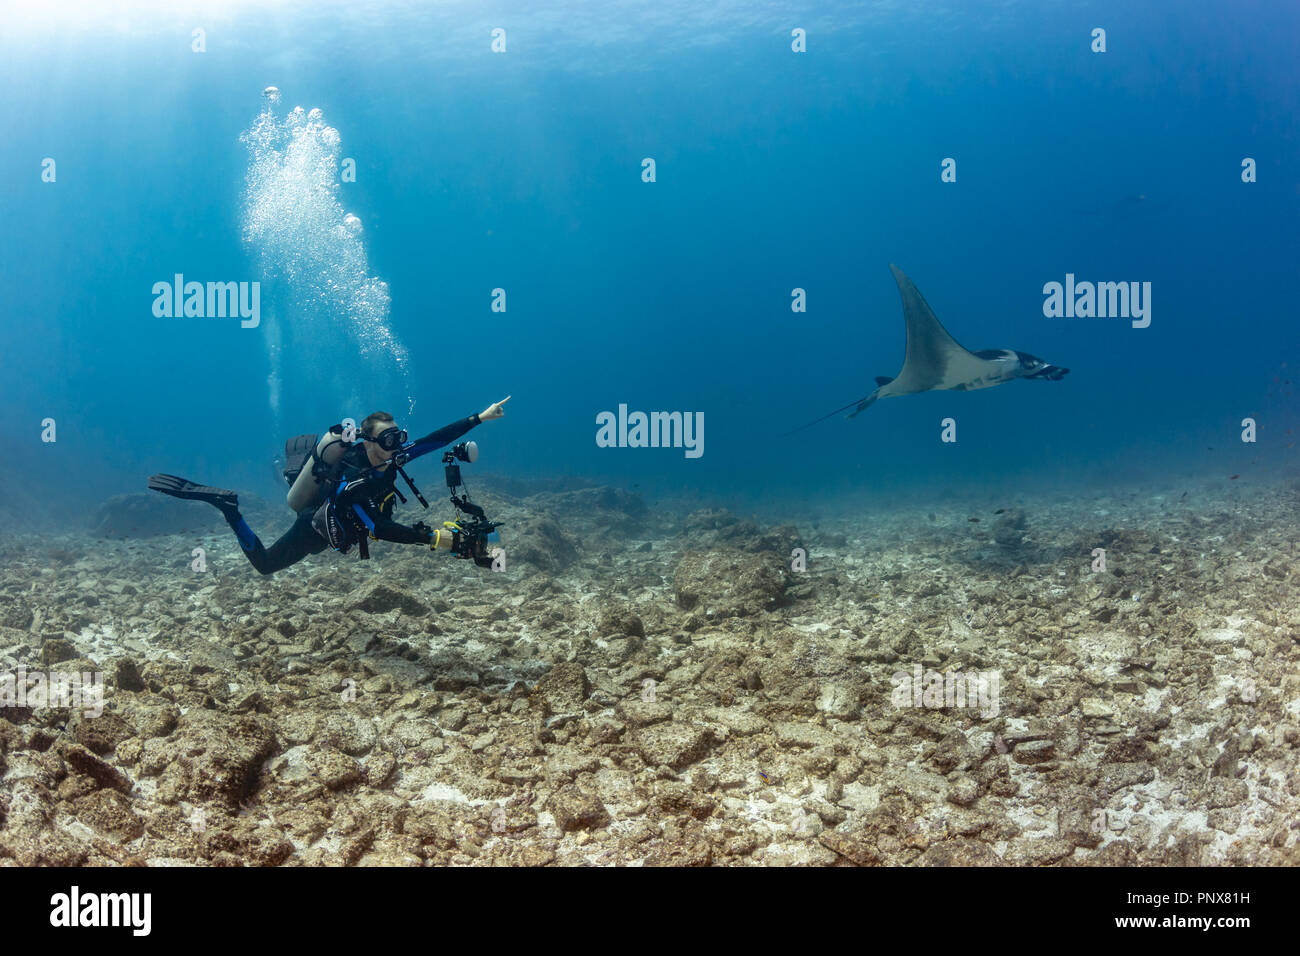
point(935, 360)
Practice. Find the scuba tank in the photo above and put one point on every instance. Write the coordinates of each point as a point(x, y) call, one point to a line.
point(314, 460)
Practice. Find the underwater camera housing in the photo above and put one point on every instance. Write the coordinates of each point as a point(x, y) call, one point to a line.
point(476, 530)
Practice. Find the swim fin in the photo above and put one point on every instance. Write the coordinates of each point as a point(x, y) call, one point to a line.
point(181, 488)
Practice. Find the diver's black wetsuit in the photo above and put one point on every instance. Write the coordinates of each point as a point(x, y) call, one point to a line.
point(376, 499)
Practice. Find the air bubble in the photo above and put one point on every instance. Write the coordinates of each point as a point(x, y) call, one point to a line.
point(293, 222)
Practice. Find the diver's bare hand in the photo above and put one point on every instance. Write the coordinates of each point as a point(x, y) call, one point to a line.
point(494, 410)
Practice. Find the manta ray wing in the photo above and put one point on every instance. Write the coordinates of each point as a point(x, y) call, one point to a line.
point(934, 359)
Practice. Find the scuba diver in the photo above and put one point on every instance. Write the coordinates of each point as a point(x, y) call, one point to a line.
point(343, 490)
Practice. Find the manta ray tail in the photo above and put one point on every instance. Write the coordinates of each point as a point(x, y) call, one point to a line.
point(865, 403)
point(857, 406)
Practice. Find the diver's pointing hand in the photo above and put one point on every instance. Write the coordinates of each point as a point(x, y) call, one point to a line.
point(494, 410)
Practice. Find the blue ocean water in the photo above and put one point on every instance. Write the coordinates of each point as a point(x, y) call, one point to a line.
point(775, 170)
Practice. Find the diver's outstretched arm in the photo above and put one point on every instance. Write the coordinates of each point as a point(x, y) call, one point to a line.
point(449, 433)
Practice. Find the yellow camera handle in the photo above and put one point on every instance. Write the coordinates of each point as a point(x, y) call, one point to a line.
point(451, 526)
